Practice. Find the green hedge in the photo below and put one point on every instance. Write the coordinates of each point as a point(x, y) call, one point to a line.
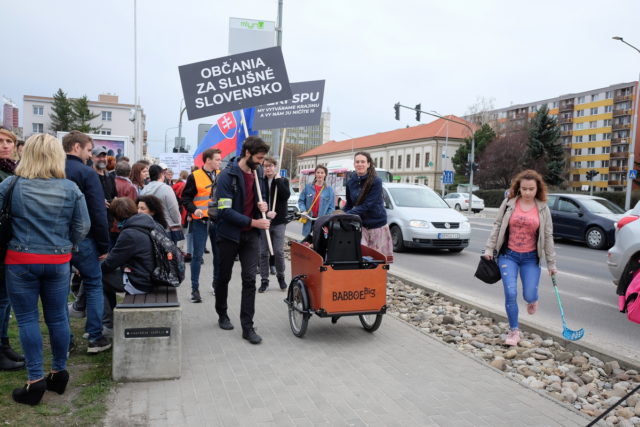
point(493, 198)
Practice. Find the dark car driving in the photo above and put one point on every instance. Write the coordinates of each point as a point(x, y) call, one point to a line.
point(588, 219)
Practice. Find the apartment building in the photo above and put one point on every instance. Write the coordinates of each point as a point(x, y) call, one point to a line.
point(416, 154)
point(307, 136)
point(596, 128)
point(113, 118)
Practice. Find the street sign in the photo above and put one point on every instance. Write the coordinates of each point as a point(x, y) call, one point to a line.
point(633, 174)
point(447, 177)
point(303, 109)
point(234, 82)
point(283, 173)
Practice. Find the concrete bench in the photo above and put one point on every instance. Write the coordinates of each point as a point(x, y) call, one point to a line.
point(147, 337)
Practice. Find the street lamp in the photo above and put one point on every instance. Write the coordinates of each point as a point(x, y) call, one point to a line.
point(290, 161)
point(632, 148)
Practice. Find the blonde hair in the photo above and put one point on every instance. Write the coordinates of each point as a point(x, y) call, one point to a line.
point(43, 157)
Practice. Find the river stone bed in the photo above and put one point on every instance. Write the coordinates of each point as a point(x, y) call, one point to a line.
point(575, 378)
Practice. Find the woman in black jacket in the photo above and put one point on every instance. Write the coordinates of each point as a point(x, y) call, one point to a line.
point(130, 262)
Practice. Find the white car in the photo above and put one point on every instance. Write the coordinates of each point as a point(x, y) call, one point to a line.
point(460, 202)
point(292, 203)
point(419, 218)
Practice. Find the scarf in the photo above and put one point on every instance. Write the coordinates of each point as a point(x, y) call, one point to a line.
point(8, 165)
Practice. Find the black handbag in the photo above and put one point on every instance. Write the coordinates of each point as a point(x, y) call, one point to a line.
point(488, 270)
point(5, 221)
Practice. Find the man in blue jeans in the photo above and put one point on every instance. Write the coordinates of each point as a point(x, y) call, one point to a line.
point(196, 196)
point(95, 246)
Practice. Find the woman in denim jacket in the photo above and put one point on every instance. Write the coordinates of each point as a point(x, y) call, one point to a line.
point(48, 217)
point(317, 199)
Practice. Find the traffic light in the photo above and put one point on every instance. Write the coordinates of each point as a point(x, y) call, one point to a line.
point(591, 174)
point(418, 108)
point(467, 169)
point(474, 165)
point(397, 108)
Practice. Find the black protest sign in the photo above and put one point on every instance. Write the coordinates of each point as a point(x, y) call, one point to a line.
point(302, 109)
point(234, 82)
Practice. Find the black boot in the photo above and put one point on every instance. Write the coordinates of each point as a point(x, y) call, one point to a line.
point(58, 381)
point(7, 364)
point(9, 352)
point(30, 394)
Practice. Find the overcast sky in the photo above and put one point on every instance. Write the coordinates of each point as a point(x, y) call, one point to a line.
point(372, 53)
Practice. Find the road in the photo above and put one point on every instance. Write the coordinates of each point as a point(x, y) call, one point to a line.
point(587, 292)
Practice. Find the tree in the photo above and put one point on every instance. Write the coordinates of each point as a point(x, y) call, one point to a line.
point(483, 137)
point(82, 116)
point(504, 157)
point(481, 112)
point(546, 148)
point(62, 117)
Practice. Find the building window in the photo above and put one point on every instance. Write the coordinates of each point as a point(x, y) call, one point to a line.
point(577, 165)
point(594, 97)
point(408, 161)
point(106, 116)
point(591, 150)
point(591, 164)
point(606, 122)
point(581, 100)
point(608, 108)
point(580, 113)
point(417, 161)
point(38, 127)
point(592, 137)
point(593, 125)
point(605, 163)
point(606, 136)
point(426, 159)
point(380, 162)
point(579, 126)
point(604, 177)
point(594, 111)
point(609, 94)
point(555, 104)
point(390, 162)
point(104, 131)
point(606, 150)
point(400, 162)
point(38, 110)
point(579, 138)
point(577, 151)
point(407, 180)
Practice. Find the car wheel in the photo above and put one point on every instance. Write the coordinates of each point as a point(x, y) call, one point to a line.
point(458, 207)
point(476, 210)
point(455, 250)
point(397, 239)
point(595, 238)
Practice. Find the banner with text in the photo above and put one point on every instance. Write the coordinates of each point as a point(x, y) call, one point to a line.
point(177, 162)
point(302, 109)
point(234, 82)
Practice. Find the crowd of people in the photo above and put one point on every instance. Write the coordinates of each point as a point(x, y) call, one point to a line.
point(73, 212)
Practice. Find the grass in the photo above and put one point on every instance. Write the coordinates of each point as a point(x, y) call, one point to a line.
point(84, 401)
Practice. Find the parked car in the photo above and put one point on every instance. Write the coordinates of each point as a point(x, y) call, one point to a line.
point(588, 219)
point(419, 218)
point(460, 202)
point(292, 203)
point(623, 255)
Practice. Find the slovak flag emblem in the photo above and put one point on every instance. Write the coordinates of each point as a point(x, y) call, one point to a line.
point(227, 125)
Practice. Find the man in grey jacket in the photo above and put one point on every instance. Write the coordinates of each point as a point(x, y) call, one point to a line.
point(162, 191)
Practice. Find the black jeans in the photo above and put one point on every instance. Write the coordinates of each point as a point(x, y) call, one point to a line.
point(248, 251)
point(111, 283)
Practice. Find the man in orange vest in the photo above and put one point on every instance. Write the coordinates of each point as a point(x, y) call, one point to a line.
point(197, 193)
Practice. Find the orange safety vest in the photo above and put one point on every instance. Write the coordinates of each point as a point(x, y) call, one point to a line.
point(203, 196)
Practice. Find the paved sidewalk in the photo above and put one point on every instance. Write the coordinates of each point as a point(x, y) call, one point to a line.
point(336, 375)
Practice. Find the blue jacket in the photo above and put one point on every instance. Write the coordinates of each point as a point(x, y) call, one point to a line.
point(230, 194)
point(88, 182)
point(48, 216)
point(371, 210)
point(327, 203)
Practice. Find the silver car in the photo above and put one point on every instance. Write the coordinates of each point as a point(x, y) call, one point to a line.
point(460, 202)
point(627, 244)
point(419, 218)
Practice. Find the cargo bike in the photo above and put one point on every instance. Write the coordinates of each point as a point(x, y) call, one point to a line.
point(337, 277)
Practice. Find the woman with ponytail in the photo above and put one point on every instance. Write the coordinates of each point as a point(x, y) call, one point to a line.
point(364, 198)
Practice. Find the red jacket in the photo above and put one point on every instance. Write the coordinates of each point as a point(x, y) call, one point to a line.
point(124, 188)
point(178, 188)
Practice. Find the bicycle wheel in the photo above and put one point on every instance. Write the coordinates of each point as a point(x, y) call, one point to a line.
point(298, 309)
point(370, 322)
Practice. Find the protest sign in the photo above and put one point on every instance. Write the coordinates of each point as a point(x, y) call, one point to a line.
point(177, 162)
point(302, 109)
point(234, 82)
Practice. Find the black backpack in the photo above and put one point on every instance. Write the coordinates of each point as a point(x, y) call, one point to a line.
point(168, 260)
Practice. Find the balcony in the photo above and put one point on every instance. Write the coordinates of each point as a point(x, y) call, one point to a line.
point(621, 126)
point(616, 169)
point(615, 183)
point(622, 98)
point(621, 112)
point(518, 116)
point(615, 141)
point(620, 155)
point(566, 133)
point(562, 120)
point(566, 106)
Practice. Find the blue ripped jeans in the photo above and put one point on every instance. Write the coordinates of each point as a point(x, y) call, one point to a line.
point(526, 263)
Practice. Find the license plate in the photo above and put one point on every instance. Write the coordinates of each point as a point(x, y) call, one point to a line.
point(448, 236)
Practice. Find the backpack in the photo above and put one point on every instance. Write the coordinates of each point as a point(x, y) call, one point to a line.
point(630, 302)
point(168, 260)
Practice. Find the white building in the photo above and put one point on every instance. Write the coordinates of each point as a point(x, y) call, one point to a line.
point(416, 154)
point(113, 118)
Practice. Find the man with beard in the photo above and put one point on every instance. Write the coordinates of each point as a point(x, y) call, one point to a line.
point(238, 226)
